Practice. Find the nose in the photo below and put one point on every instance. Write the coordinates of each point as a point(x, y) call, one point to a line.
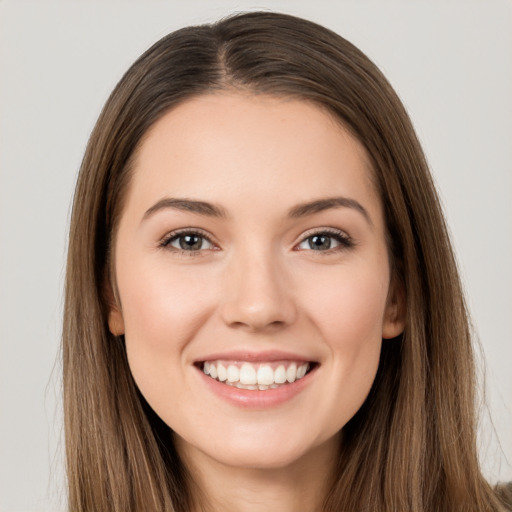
point(258, 294)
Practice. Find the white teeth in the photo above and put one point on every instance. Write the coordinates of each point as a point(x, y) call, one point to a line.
point(255, 376)
point(245, 386)
point(301, 371)
point(233, 373)
point(248, 374)
point(222, 374)
point(291, 373)
point(265, 375)
point(280, 375)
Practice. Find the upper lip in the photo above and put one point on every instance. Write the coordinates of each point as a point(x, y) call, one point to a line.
point(255, 357)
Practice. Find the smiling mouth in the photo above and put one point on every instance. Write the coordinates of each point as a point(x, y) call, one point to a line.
point(259, 376)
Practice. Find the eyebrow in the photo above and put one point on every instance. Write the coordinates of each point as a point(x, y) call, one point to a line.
point(320, 205)
point(301, 210)
point(188, 205)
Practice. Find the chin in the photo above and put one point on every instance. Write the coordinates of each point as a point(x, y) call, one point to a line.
point(258, 458)
point(266, 451)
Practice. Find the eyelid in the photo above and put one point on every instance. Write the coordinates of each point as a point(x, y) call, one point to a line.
point(343, 238)
point(323, 229)
point(164, 242)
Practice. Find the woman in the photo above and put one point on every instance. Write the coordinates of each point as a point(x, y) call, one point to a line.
point(262, 304)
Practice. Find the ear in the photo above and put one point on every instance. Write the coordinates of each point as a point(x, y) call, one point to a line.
point(115, 316)
point(394, 316)
point(115, 321)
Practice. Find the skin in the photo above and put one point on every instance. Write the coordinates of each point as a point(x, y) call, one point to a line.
point(256, 285)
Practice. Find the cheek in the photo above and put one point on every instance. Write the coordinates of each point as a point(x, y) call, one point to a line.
point(162, 312)
point(349, 317)
point(162, 300)
point(349, 307)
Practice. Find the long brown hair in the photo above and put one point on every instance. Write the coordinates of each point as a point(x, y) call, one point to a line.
point(412, 444)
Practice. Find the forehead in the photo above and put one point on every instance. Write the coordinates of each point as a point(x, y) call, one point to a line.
point(227, 145)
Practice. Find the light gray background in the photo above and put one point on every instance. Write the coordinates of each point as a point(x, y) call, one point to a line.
point(451, 62)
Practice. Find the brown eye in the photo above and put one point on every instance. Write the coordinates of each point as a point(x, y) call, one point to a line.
point(188, 241)
point(325, 241)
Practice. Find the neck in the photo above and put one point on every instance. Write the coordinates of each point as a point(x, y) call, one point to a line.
point(301, 485)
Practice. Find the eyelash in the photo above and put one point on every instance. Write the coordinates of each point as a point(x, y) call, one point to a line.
point(345, 241)
point(166, 241)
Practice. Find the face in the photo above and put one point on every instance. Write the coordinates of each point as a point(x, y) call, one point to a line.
point(253, 278)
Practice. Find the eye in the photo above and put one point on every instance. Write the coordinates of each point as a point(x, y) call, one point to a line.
point(324, 241)
point(188, 241)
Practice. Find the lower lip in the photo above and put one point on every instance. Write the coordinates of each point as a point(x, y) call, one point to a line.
point(257, 399)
